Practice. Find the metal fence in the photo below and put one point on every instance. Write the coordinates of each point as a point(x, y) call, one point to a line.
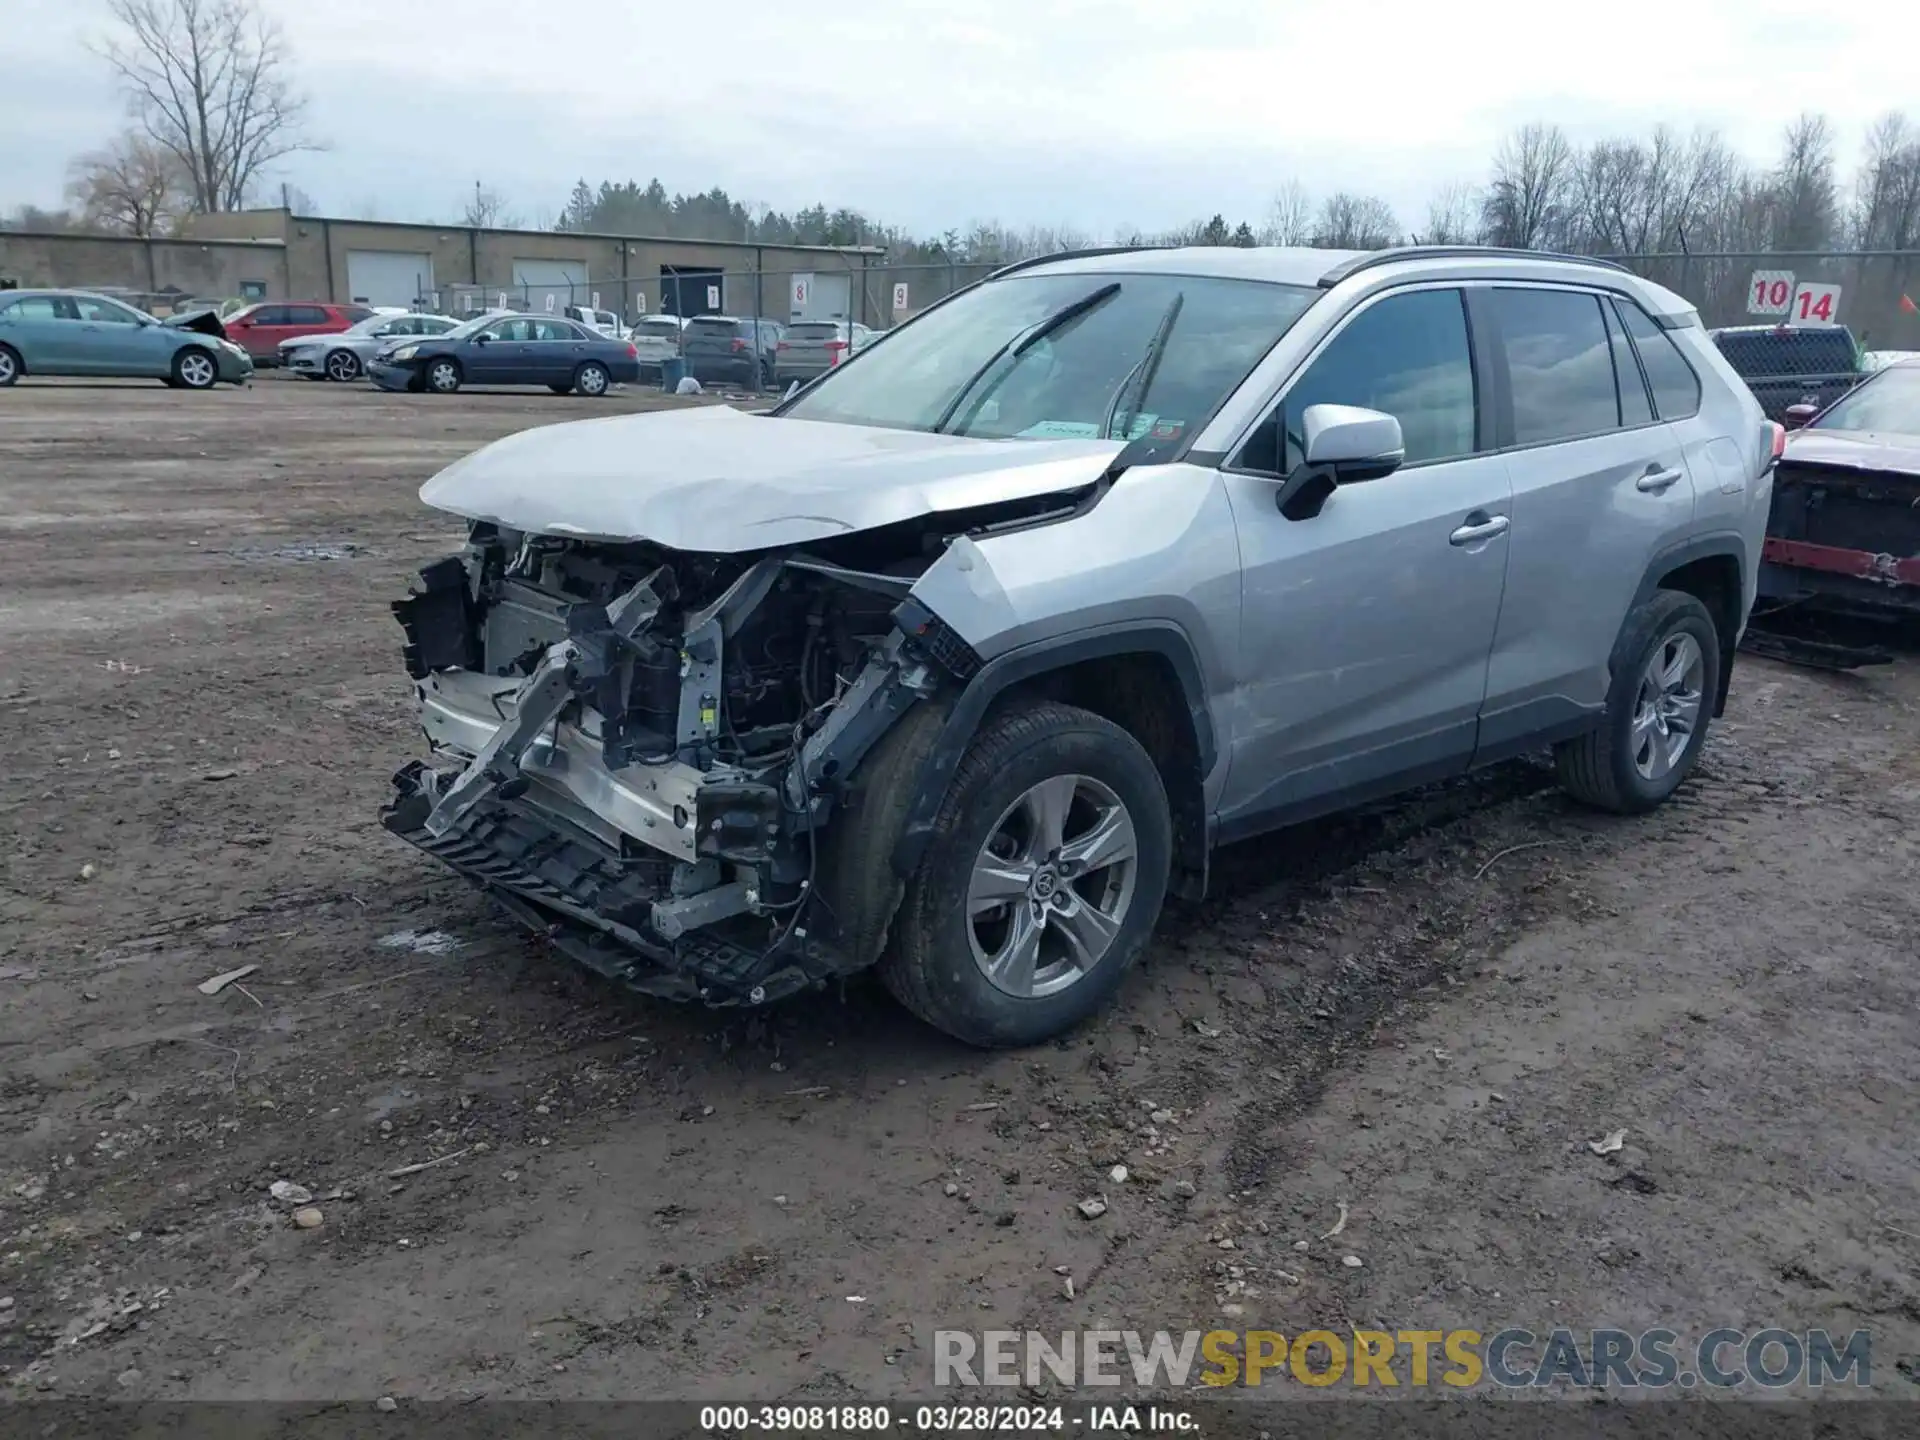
point(878, 296)
point(1801, 328)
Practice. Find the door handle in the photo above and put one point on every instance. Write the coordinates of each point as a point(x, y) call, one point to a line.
point(1656, 480)
point(1477, 530)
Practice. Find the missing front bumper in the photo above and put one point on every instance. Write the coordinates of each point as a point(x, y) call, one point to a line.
point(593, 903)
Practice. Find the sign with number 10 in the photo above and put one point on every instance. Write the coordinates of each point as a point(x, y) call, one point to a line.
point(1769, 292)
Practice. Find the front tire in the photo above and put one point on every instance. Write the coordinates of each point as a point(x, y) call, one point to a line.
point(10, 367)
point(1659, 705)
point(443, 376)
point(591, 380)
point(343, 365)
point(1042, 884)
point(195, 369)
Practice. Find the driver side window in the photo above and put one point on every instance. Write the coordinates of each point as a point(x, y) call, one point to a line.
point(1407, 356)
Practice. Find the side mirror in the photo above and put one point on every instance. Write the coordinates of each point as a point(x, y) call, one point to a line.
point(1798, 415)
point(1345, 444)
point(482, 338)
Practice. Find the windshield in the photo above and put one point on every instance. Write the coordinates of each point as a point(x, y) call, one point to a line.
point(665, 328)
point(1788, 352)
point(1890, 401)
point(1001, 360)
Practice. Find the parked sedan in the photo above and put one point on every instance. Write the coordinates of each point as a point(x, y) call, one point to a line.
point(509, 350)
point(344, 356)
point(72, 332)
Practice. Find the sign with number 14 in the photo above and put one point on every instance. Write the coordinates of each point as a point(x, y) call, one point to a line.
point(1816, 304)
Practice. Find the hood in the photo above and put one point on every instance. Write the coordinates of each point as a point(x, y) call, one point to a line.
point(206, 322)
point(723, 481)
point(1855, 450)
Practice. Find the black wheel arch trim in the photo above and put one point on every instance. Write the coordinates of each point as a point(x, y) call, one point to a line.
point(1159, 637)
point(1728, 543)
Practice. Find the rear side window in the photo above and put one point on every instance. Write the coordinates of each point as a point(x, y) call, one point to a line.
point(1406, 355)
point(1676, 389)
point(310, 315)
point(35, 307)
point(354, 313)
point(1558, 364)
point(1635, 408)
point(266, 315)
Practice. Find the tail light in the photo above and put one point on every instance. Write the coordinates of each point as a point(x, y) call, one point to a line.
point(1776, 442)
point(783, 346)
point(633, 351)
point(739, 345)
point(834, 349)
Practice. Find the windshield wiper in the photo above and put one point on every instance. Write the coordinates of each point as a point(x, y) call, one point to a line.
point(1020, 344)
point(1143, 371)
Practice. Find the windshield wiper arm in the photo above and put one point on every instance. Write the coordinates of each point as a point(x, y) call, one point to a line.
point(1147, 367)
point(1021, 343)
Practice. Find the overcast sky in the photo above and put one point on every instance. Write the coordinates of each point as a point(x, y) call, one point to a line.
point(933, 113)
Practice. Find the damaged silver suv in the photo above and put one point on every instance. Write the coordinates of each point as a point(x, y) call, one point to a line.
point(966, 655)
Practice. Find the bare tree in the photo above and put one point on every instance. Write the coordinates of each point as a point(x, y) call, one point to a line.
point(132, 186)
point(1452, 216)
point(1525, 204)
point(1290, 217)
point(1805, 199)
point(487, 210)
point(1886, 208)
point(207, 80)
point(1355, 222)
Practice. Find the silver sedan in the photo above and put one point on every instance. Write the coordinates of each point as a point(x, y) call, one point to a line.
point(344, 356)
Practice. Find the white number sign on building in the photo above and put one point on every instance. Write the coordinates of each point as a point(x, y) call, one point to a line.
point(713, 297)
point(1815, 303)
point(899, 296)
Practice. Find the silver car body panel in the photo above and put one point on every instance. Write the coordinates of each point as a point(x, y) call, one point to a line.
point(723, 481)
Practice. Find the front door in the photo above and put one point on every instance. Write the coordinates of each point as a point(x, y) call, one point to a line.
point(1365, 629)
point(498, 354)
point(115, 340)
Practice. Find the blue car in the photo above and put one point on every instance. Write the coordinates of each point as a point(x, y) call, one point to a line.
point(71, 332)
point(508, 350)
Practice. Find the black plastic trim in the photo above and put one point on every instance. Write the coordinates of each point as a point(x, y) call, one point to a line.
point(1161, 637)
point(1702, 547)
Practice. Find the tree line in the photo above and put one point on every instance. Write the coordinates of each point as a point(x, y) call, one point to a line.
point(212, 107)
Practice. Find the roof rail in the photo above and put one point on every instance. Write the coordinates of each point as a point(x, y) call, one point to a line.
point(1455, 252)
point(1084, 253)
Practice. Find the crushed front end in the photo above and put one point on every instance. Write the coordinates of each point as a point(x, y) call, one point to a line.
point(635, 750)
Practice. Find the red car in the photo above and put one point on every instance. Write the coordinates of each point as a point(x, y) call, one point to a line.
point(259, 329)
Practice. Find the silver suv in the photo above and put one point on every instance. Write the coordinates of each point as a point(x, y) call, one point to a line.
point(962, 658)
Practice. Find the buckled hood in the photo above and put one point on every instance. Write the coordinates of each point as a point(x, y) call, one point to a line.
point(723, 481)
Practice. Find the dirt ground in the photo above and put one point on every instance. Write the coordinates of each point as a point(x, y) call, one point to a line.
point(1419, 1015)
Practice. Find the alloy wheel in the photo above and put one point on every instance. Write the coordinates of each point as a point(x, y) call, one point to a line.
point(197, 371)
point(1052, 886)
point(6, 367)
point(342, 366)
point(1666, 707)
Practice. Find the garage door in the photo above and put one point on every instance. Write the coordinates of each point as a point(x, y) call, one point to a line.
point(388, 277)
point(561, 282)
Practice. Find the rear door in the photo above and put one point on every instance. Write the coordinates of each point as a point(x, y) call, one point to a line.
point(557, 347)
point(43, 329)
point(1601, 486)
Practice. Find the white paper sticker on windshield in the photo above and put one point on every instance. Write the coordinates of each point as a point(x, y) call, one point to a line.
point(1081, 429)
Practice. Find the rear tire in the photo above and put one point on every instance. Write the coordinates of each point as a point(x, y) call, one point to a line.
point(1042, 884)
point(195, 369)
point(591, 380)
point(342, 365)
point(443, 376)
point(10, 367)
point(1666, 665)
